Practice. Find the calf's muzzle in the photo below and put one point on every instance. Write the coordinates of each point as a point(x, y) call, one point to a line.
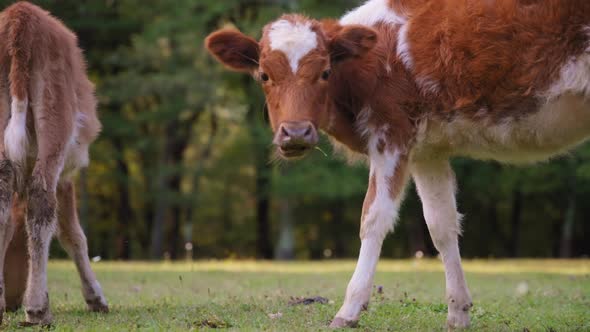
point(294, 139)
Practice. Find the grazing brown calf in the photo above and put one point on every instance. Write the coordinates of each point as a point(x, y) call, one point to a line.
point(47, 120)
point(412, 83)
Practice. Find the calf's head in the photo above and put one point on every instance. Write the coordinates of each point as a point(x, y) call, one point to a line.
point(294, 61)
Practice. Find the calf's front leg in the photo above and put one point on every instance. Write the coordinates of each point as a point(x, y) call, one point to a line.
point(435, 183)
point(387, 179)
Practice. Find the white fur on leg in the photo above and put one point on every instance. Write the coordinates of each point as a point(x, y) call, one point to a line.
point(436, 186)
point(15, 135)
point(359, 288)
point(377, 222)
point(458, 296)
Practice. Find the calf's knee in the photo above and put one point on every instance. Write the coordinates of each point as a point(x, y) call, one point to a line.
point(42, 203)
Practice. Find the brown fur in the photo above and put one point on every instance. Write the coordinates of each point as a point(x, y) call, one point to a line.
point(495, 54)
point(42, 65)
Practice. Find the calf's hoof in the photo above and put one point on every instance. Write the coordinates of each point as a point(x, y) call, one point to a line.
point(339, 323)
point(38, 315)
point(98, 304)
point(458, 320)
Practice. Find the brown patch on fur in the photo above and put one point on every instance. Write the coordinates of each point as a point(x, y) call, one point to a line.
point(495, 56)
point(400, 178)
point(370, 195)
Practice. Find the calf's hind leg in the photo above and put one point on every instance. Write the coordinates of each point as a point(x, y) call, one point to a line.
point(15, 264)
point(73, 240)
point(435, 183)
point(6, 227)
point(54, 122)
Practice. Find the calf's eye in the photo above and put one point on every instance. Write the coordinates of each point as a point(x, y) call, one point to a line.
point(326, 74)
point(264, 77)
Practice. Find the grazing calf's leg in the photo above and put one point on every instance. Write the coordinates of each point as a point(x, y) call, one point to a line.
point(435, 183)
point(73, 240)
point(17, 258)
point(42, 206)
point(387, 180)
point(6, 227)
point(54, 122)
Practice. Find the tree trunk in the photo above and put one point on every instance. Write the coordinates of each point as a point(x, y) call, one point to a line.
point(515, 222)
point(567, 229)
point(261, 154)
point(175, 238)
point(160, 208)
point(124, 210)
point(198, 171)
point(416, 229)
point(263, 245)
point(338, 231)
point(285, 249)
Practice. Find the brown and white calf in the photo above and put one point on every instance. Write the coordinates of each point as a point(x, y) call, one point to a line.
point(412, 83)
point(47, 120)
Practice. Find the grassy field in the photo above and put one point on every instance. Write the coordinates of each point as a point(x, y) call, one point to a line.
point(519, 295)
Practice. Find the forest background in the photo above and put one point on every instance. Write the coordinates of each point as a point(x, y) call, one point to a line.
point(183, 166)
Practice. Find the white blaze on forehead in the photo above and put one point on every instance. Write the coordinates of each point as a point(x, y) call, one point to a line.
point(296, 40)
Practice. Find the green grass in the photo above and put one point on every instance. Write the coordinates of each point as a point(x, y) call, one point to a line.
point(241, 295)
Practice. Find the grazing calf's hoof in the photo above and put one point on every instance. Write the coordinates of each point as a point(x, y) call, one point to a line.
point(340, 323)
point(458, 318)
point(98, 304)
point(41, 317)
point(95, 298)
point(38, 314)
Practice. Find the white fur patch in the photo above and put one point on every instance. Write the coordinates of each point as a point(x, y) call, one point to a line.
point(382, 213)
point(377, 222)
point(296, 40)
point(558, 125)
point(574, 76)
point(15, 135)
point(427, 85)
point(362, 121)
point(403, 47)
point(378, 11)
point(371, 13)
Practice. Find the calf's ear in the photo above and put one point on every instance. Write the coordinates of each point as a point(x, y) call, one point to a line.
point(351, 41)
point(235, 50)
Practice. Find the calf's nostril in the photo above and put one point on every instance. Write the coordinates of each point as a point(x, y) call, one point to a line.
point(307, 132)
point(284, 132)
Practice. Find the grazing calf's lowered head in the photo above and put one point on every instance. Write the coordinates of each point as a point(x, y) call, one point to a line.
point(47, 121)
point(412, 83)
